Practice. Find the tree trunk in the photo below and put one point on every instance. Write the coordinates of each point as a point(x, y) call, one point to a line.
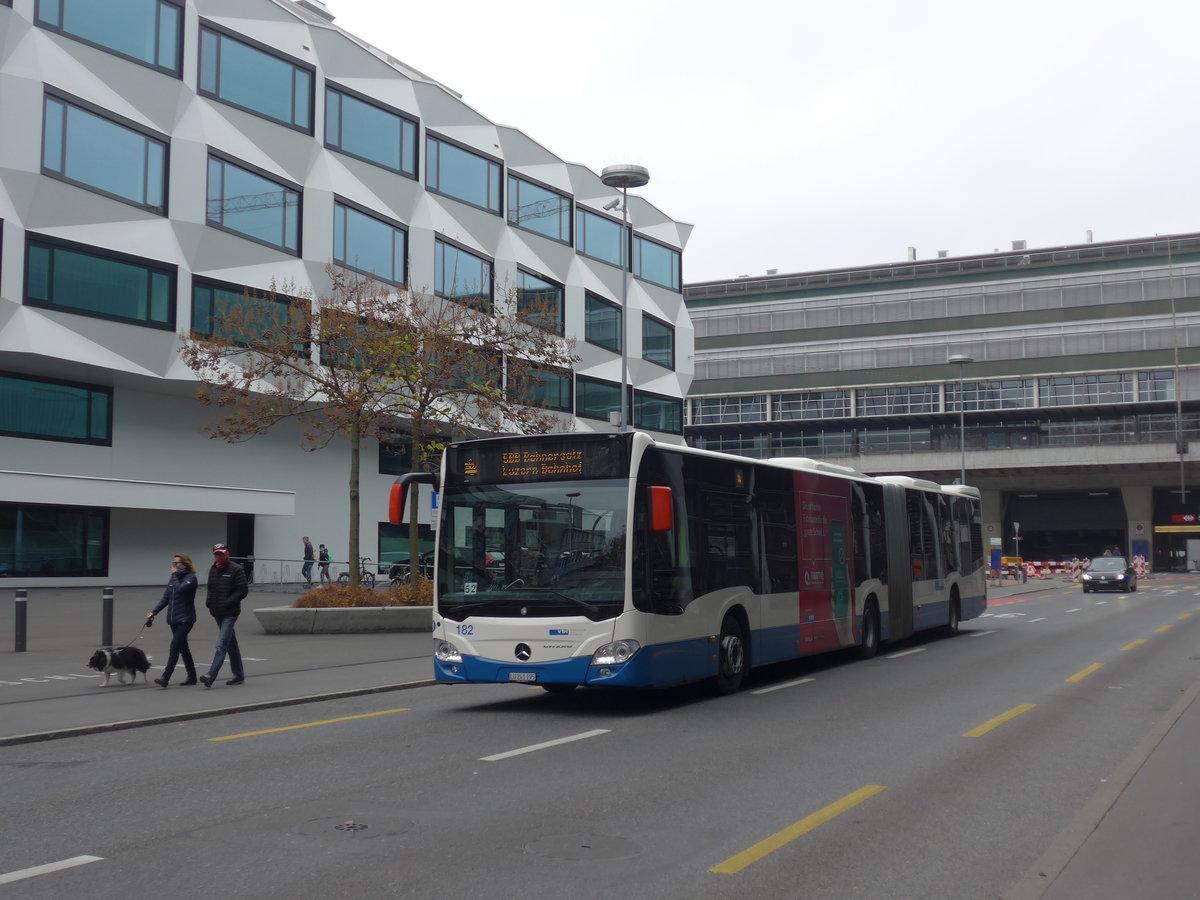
point(355, 444)
point(414, 528)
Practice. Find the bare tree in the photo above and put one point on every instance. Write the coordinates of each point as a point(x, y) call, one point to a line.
point(369, 360)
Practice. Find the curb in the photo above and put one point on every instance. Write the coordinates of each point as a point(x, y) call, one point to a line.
point(39, 736)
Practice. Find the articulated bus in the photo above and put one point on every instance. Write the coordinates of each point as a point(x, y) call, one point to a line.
point(613, 560)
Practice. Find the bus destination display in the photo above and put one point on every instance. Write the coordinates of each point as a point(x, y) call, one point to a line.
point(554, 460)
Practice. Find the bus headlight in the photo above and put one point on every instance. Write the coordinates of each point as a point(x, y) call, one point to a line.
point(444, 651)
point(616, 653)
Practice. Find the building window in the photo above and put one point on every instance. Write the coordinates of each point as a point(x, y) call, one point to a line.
point(658, 413)
point(367, 244)
point(253, 206)
point(102, 155)
point(236, 313)
point(52, 410)
point(395, 454)
point(896, 401)
point(547, 388)
point(541, 303)
point(100, 283)
point(1016, 393)
point(146, 31)
point(462, 276)
point(461, 174)
point(729, 410)
point(367, 131)
point(1156, 386)
point(813, 405)
point(657, 263)
point(595, 399)
point(255, 79)
point(539, 209)
point(598, 237)
point(602, 322)
point(658, 342)
point(38, 541)
point(1078, 390)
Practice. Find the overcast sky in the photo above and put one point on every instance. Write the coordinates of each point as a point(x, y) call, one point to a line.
point(812, 134)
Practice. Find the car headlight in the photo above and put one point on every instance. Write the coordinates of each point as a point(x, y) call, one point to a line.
point(444, 651)
point(1086, 577)
point(615, 653)
point(1121, 577)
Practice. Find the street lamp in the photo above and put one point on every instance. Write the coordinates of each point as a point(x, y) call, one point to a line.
point(625, 176)
point(962, 359)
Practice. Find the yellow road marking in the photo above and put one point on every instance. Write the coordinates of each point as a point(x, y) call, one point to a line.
point(1084, 673)
point(999, 720)
point(763, 848)
point(1164, 628)
point(1185, 616)
point(234, 737)
point(1136, 643)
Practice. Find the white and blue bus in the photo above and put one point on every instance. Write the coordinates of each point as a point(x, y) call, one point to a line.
point(613, 560)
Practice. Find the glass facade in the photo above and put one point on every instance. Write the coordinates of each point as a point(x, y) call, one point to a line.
point(229, 311)
point(595, 399)
point(554, 391)
point(723, 410)
point(541, 302)
point(369, 132)
point(146, 31)
point(1016, 393)
point(813, 405)
point(461, 174)
point(253, 206)
point(901, 400)
point(657, 263)
point(462, 276)
point(38, 541)
point(657, 413)
point(99, 154)
point(55, 410)
point(94, 282)
point(539, 209)
point(602, 322)
point(1156, 386)
point(598, 237)
point(658, 342)
point(367, 244)
point(1078, 390)
point(255, 80)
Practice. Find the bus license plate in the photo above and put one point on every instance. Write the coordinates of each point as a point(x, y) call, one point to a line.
point(528, 677)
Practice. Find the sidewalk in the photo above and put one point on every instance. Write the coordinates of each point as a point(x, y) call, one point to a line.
point(48, 691)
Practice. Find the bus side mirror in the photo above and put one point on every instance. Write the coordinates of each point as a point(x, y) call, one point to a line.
point(396, 502)
point(662, 513)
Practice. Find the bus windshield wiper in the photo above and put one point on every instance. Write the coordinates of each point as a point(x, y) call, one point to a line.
point(575, 600)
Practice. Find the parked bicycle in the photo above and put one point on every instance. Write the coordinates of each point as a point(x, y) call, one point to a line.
point(365, 573)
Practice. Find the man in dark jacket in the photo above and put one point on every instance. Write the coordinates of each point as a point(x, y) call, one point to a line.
point(226, 589)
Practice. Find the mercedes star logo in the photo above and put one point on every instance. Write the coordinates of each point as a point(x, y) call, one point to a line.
point(523, 652)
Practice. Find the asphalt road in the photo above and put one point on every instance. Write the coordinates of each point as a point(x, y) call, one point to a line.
point(943, 768)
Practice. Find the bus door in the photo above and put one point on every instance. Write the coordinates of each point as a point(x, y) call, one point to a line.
point(825, 563)
point(898, 623)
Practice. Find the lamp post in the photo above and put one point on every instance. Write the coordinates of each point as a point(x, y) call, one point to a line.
point(625, 176)
point(962, 359)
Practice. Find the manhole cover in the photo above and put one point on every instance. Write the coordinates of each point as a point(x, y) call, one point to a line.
point(334, 827)
point(350, 826)
point(588, 846)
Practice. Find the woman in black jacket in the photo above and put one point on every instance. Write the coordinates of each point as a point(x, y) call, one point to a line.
point(179, 598)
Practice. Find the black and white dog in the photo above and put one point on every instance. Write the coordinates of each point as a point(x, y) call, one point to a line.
point(123, 661)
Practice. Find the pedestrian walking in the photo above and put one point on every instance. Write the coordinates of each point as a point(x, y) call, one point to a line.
point(309, 558)
point(323, 562)
point(226, 590)
point(179, 600)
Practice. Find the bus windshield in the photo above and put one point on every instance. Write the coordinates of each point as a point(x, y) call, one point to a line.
point(533, 549)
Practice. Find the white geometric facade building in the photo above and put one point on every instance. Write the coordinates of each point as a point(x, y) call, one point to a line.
point(160, 156)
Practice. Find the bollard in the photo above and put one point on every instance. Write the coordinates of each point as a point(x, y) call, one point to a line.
point(107, 620)
point(19, 632)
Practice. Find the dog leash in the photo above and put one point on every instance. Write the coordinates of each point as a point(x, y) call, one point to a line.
point(146, 624)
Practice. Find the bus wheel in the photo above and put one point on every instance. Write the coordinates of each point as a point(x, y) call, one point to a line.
point(731, 669)
point(952, 623)
point(558, 688)
point(870, 631)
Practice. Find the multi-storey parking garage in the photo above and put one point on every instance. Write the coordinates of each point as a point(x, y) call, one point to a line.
point(1073, 371)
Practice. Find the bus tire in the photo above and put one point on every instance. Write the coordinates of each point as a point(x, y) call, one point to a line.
point(733, 656)
point(870, 631)
point(955, 616)
point(558, 688)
